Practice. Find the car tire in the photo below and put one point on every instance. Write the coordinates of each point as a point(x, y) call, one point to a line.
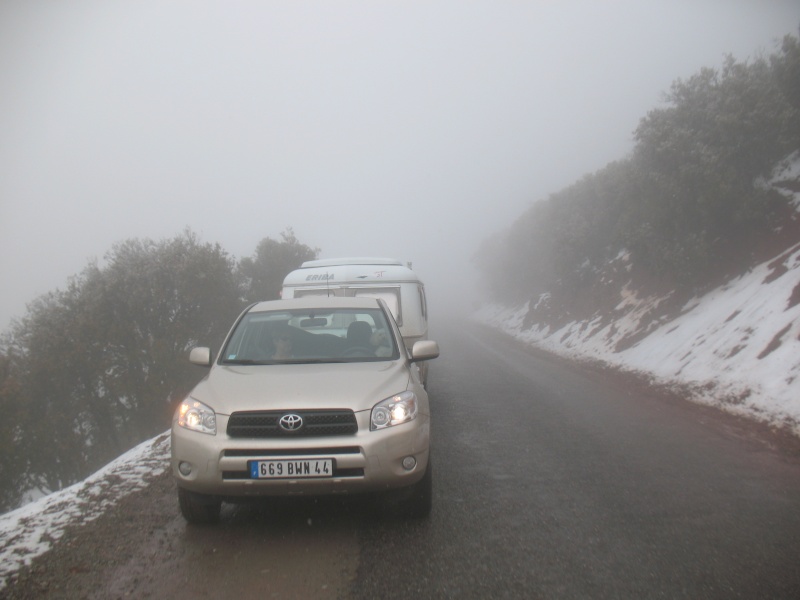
point(416, 501)
point(197, 508)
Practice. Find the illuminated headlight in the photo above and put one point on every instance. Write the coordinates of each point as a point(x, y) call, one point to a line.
point(398, 409)
point(197, 416)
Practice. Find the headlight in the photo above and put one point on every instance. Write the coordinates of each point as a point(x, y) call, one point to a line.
point(400, 408)
point(197, 416)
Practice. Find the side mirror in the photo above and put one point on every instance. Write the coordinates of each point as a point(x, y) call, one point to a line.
point(424, 350)
point(200, 356)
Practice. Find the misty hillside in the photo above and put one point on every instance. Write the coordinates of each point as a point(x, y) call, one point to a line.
point(681, 263)
point(690, 206)
point(736, 346)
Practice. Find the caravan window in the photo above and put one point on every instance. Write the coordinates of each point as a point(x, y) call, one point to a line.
point(389, 295)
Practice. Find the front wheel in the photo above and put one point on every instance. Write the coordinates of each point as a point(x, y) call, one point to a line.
point(197, 508)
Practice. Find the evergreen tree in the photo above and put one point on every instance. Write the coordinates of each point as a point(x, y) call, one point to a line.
point(263, 274)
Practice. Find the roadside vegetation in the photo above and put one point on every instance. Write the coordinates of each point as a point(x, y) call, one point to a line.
point(697, 200)
point(92, 370)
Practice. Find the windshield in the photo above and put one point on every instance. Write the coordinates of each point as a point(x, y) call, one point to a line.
point(311, 336)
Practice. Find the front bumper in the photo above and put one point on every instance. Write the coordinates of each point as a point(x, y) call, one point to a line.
point(366, 461)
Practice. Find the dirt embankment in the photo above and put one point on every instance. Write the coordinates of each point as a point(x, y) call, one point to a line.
point(81, 563)
point(141, 547)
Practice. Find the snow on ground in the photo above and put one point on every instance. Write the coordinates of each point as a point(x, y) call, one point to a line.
point(737, 348)
point(785, 177)
point(29, 531)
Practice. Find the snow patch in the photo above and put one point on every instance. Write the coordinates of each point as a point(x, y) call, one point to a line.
point(785, 179)
point(737, 347)
point(30, 530)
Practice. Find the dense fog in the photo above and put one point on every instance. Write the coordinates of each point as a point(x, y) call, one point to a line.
point(405, 129)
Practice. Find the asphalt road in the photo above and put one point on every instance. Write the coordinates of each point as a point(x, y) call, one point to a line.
point(556, 483)
point(550, 482)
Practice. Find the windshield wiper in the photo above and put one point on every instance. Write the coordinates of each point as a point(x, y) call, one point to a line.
point(248, 361)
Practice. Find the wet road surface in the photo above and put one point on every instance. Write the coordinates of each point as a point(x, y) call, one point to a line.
point(553, 483)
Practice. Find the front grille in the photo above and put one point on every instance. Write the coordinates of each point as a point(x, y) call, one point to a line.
point(316, 423)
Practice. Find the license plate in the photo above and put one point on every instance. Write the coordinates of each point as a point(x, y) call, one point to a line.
point(291, 469)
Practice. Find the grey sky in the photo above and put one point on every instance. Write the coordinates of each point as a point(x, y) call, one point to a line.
point(410, 129)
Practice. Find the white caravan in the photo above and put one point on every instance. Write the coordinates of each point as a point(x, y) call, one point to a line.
point(384, 278)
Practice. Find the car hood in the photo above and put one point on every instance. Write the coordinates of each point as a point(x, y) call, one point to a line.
point(357, 386)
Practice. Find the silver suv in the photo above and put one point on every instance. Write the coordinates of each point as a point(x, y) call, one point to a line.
point(310, 396)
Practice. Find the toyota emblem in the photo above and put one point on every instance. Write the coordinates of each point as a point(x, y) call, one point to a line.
point(290, 422)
